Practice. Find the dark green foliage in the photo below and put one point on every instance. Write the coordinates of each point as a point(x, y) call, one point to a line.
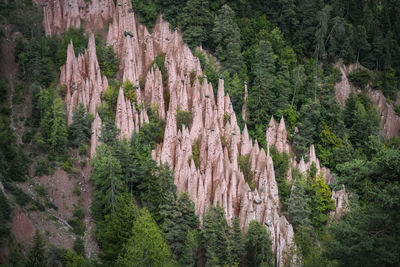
point(5, 212)
point(179, 221)
point(196, 153)
point(236, 242)
point(281, 167)
point(308, 247)
point(183, 117)
point(79, 40)
point(147, 11)
point(298, 210)
point(106, 176)
point(226, 39)
point(159, 61)
point(109, 132)
point(259, 102)
point(79, 246)
point(258, 246)
point(79, 132)
point(78, 227)
point(107, 59)
point(215, 237)
point(190, 248)
point(52, 121)
point(115, 230)
point(42, 167)
point(36, 257)
point(369, 234)
point(244, 165)
point(196, 22)
point(360, 79)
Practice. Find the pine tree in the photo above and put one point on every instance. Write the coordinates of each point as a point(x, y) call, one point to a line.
point(79, 131)
point(115, 230)
point(215, 237)
point(236, 243)
point(36, 256)
point(196, 22)
point(106, 176)
point(260, 95)
point(109, 132)
point(58, 137)
point(226, 38)
point(297, 208)
point(258, 246)
point(190, 249)
point(147, 246)
point(179, 217)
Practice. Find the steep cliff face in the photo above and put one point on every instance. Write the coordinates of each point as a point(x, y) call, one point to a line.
point(390, 122)
point(216, 176)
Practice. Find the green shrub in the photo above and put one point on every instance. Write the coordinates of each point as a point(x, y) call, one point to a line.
point(42, 167)
point(227, 117)
point(281, 167)
point(107, 60)
point(147, 11)
point(77, 191)
point(193, 74)
point(40, 190)
point(397, 109)
point(183, 117)
point(79, 213)
point(79, 246)
point(360, 79)
point(78, 227)
point(196, 153)
point(159, 61)
point(244, 165)
point(129, 91)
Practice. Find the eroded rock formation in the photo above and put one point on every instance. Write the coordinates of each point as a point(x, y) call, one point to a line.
point(390, 122)
point(212, 176)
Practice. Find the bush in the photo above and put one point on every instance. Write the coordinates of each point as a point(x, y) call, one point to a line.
point(196, 153)
point(183, 117)
point(129, 91)
point(78, 227)
point(79, 246)
point(244, 165)
point(42, 167)
point(147, 11)
point(360, 79)
point(397, 109)
point(281, 165)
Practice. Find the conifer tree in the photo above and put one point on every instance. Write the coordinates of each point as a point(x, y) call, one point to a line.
point(146, 247)
point(260, 95)
point(196, 22)
point(79, 131)
point(258, 246)
point(36, 257)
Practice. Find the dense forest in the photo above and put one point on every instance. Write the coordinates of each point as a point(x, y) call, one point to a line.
point(285, 51)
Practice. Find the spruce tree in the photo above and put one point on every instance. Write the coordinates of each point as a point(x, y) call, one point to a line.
point(36, 257)
point(260, 95)
point(146, 247)
point(258, 246)
point(79, 131)
point(196, 22)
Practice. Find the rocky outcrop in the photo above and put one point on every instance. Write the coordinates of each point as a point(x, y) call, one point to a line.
point(215, 178)
point(390, 122)
point(60, 15)
point(84, 84)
